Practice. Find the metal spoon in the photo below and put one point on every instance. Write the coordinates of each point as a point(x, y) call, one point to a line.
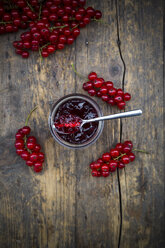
point(108, 117)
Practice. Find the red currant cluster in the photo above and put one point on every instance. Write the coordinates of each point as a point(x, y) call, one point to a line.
point(17, 14)
point(53, 24)
point(28, 149)
point(106, 90)
point(117, 158)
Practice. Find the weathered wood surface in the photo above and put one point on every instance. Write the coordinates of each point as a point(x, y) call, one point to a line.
point(64, 206)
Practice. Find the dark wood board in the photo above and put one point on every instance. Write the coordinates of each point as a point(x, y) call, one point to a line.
point(65, 206)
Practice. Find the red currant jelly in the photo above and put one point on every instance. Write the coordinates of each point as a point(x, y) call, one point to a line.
point(81, 107)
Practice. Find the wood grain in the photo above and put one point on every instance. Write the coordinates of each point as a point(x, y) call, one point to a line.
point(142, 185)
point(64, 206)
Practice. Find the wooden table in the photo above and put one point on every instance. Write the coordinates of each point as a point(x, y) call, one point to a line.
point(65, 206)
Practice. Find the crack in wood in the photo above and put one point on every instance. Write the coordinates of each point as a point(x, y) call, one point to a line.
point(121, 126)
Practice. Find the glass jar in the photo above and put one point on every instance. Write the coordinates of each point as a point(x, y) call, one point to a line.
point(71, 98)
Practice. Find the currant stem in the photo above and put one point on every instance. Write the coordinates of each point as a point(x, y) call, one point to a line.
point(40, 49)
point(75, 26)
point(30, 6)
point(39, 15)
point(101, 21)
point(25, 143)
point(45, 45)
point(120, 156)
point(5, 22)
point(29, 115)
point(57, 27)
point(80, 75)
point(11, 6)
point(137, 150)
point(40, 53)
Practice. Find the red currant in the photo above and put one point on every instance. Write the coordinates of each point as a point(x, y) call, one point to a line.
point(97, 83)
point(31, 139)
point(70, 39)
point(25, 54)
point(92, 92)
point(90, 11)
point(121, 105)
point(88, 86)
point(99, 174)
point(120, 165)
point(128, 143)
point(98, 14)
point(19, 151)
point(92, 76)
point(94, 173)
point(92, 165)
point(103, 90)
point(97, 165)
point(114, 153)
point(106, 157)
point(34, 157)
point(98, 94)
point(127, 97)
point(109, 84)
point(119, 147)
point(131, 156)
point(118, 98)
point(19, 144)
point(113, 165)
point(19, 136)
point(104, 167)
point(29, 163)
point(41, 156)
point(37, 148)
point(26, 130)
point(25, 155)
point(112, 91)
point(125, 159)
point(111, 102)
point(105, 173)
point(37, 169)
point(120, 92)
point(105, 98)
point(38, 164)
point(30, 145)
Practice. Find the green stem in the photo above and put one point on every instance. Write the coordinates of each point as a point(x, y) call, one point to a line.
point(40, 54)
point(75, 26)
point(26, 122)
point(137, 150)
point(80, 75)
point(101, 21)
point(57, 27)
point(40, 49)
point(25, 143)
point(120, 156)
point(45, 45)
point(30, 6)
point(39, 15)
point(29, 115)
point(5, 22)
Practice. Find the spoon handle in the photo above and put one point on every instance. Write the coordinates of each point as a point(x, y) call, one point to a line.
point(116, 116)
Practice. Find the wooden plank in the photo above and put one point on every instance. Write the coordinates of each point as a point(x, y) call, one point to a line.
point(36, 210)
point(141, 29)
point(98, 206)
